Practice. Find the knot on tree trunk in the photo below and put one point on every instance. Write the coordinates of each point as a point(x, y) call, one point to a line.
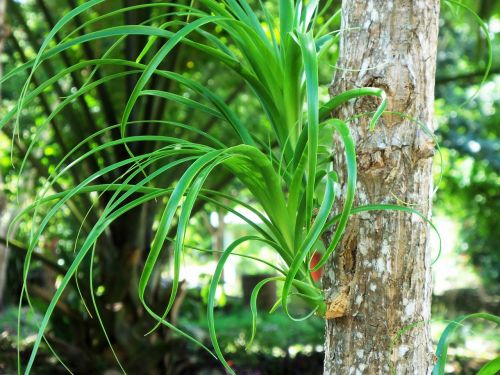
point(338, 306)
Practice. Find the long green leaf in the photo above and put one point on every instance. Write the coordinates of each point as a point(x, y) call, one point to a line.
point(350, 153)
point(442, 348)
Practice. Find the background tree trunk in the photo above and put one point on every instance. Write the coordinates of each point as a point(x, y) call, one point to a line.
point(379, 281)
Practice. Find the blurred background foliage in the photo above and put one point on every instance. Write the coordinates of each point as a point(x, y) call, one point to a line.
point(467, 206)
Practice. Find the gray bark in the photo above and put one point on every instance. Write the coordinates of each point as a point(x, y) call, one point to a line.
point(378, 284)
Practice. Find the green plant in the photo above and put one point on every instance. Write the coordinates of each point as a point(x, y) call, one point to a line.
point(490, 368)
point(290, 174)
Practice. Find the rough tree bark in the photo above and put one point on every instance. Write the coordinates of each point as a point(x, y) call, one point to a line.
point(379, 281)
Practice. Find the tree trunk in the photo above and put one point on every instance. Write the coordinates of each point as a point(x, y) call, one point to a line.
point(378, 284)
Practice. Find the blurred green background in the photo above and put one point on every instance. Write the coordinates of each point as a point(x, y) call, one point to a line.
point(466, 212)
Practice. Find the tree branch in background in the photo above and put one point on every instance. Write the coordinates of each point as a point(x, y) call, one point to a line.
point(473, 76)
point(20, 250)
